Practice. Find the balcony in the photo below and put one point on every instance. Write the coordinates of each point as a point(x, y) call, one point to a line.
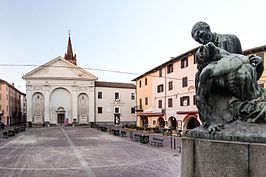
point(139, 108)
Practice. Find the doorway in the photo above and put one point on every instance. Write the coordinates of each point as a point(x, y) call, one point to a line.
point(193, 123)
point(60, 119)
point(116, 119)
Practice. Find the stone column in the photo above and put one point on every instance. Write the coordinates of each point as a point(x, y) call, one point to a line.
point(74, 104)
point(91, 104)
point(47, 117)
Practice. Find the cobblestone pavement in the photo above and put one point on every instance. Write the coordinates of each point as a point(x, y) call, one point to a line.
point(80, 151)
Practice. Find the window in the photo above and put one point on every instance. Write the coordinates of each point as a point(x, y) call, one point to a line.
point(160, 103)
point(0, 107)
point(184, 82)
point(0, 96)
point(184, 101)
point(146, 81)
point(260, 84)
point(6, 107)
point(170, 68)
point(100, 110)
point(132, 96)
point(194, 99)
point(170, 85)
point(117, 110)
point(146, 101)
point(184, 63)
point(116, 96)
point(132, 110)
point(160, 88)
point(170, 102)
point(140, 103)
point(160, 73)
point(6, 96)
point(195, 60)
point(140, 84)
point(261, 55)
point(100, 95)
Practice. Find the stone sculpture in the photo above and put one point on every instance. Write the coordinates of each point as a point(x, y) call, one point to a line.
point(226, 81)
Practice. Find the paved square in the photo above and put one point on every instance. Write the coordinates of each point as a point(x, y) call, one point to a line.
point(84, 152)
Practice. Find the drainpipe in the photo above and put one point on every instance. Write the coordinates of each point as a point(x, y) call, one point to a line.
point(165, 89)
point(94, 102)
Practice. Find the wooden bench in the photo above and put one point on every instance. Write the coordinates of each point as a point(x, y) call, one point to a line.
point(5, 134)
point(104, 129)
point(136, 137)
point(22, 128)
point(16, 129)
point(123, 133)
point(11, 133)
point(156, 141)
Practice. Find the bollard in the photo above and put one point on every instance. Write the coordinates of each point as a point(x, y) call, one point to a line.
point(171, 142)
point(174, 144)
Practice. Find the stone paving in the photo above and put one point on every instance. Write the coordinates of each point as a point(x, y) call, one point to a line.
point(79, 151)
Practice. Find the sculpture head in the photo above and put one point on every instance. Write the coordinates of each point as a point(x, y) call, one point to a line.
point(201, 33)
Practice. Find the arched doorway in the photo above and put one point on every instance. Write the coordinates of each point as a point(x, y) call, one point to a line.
point(161, 122)
point(61, 99)
point(144, 120)
point(172, 122)
point(192, 123)
point(60, 116)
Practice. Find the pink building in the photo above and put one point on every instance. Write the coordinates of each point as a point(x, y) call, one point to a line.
point(168, 94)
point(10, 104)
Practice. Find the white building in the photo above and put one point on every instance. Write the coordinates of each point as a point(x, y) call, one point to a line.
point(60, 91)
point(116, 102)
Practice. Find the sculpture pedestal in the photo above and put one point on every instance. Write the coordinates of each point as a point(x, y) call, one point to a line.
point(244, 156)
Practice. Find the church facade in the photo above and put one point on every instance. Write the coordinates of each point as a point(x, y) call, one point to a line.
point(59, 92)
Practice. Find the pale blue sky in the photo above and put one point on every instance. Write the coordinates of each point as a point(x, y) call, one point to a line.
point(125, 35)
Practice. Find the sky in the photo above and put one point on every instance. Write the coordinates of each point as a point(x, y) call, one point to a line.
point(129, 36)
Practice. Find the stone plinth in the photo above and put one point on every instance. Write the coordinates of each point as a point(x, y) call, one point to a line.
point(206, 155)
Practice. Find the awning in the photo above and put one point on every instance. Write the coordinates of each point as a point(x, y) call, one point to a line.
point(150, 114)
point(187, 112)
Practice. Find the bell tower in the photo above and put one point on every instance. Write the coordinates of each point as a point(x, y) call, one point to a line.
point(69, 56)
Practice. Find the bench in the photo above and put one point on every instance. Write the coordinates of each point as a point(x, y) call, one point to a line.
point(136, 137)
point(5, 134)
point(123, 133)
point(22, 128)
point(156, 141)
point(16, 130)
point(103, 129)
point(11, 133)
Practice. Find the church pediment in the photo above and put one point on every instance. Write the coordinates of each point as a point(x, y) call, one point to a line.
point(59, 68)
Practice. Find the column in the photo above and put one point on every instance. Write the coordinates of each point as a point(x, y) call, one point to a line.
point(47, 117)
point(74, 103)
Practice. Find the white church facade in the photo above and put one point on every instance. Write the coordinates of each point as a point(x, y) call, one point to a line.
point(59, 92)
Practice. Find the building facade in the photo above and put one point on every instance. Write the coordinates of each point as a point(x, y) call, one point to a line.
point(115, 103)
point(10, 104)
point(169, 95)
point(59, 92)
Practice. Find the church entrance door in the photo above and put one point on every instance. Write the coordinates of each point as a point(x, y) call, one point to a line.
point(61, 114)
point(60, 119)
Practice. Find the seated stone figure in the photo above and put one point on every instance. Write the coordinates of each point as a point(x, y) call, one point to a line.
point(224, 83)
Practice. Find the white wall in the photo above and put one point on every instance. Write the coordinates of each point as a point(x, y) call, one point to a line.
point(108, 104)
